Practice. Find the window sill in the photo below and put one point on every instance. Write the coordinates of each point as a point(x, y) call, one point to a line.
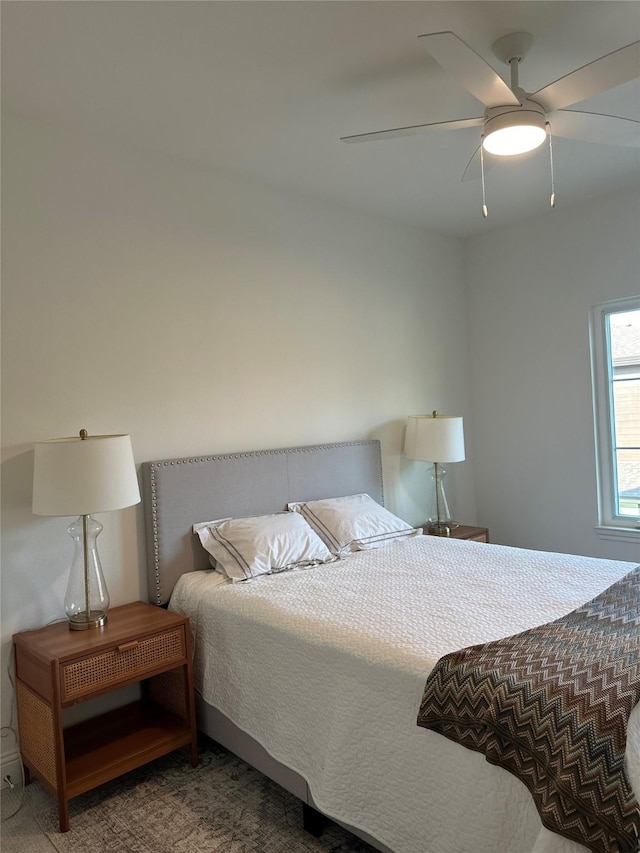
point(620, 534)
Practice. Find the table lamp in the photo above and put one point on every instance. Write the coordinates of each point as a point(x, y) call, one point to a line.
point(80, 476)
point(436, 438)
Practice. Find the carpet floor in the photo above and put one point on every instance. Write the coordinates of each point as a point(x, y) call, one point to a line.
point(167, 806)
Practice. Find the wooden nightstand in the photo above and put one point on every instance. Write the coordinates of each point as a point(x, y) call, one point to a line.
point(56, 668)
point(464, 531)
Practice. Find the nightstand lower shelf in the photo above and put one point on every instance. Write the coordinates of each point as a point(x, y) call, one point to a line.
point(103, 748)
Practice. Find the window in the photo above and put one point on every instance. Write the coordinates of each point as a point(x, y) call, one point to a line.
point(615, 358)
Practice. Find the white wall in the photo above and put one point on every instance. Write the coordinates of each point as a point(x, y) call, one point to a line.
point(530, 290)
point(202, 313)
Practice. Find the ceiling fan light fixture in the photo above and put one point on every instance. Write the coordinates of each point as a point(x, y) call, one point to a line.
point(514, 132)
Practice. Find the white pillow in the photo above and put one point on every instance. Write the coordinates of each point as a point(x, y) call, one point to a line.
point(353, 523)
point(244, 548)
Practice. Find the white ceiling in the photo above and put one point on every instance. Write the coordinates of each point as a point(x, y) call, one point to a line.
point(267, 88)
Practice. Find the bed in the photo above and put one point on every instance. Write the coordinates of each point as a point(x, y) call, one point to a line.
point(315, 676)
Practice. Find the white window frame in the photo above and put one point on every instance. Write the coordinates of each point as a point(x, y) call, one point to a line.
point(610, 524)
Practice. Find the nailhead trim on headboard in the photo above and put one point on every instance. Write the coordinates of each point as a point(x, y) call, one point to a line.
point(154, 526)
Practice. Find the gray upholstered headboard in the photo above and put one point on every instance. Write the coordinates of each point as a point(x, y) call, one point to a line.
point(180, 492)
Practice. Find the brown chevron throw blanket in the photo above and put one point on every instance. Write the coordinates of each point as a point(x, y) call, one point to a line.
point(551, 705)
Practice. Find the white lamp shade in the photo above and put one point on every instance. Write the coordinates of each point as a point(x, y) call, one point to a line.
point(74, 476)
point(438, 438)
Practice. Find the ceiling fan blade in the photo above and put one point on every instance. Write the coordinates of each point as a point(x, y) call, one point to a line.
point(470, 69)
point(596, 127)
point(472, 171)
point(602, 74)
point(412, 129)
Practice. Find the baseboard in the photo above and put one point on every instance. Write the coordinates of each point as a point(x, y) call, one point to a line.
point(11, 765)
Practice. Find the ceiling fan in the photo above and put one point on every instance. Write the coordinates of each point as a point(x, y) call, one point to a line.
point(516, 121)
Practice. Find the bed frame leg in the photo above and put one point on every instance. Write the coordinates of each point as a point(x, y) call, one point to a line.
point(313, 821)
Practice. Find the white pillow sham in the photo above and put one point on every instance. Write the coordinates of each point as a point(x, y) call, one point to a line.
point(353, 523)
point(244, 548)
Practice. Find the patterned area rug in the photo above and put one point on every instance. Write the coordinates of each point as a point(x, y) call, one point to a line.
point(220, 806)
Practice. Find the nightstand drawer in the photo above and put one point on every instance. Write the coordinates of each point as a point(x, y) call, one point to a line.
point(132, 660)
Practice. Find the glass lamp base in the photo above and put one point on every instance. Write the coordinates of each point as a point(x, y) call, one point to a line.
point(440, 523)
point(439, 529)
point(80, 622)
point(442, 528)
point(87, 599)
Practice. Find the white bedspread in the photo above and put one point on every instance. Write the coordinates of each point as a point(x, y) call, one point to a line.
point(325, 667)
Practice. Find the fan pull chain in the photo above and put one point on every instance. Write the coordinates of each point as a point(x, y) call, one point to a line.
point(485, 212)
point(552, 199)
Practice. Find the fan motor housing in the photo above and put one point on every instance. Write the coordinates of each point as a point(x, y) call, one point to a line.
point(496, 118)
point(510, 130)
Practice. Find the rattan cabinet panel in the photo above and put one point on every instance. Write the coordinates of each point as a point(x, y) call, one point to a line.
point(56, 668)
point(37, 742)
